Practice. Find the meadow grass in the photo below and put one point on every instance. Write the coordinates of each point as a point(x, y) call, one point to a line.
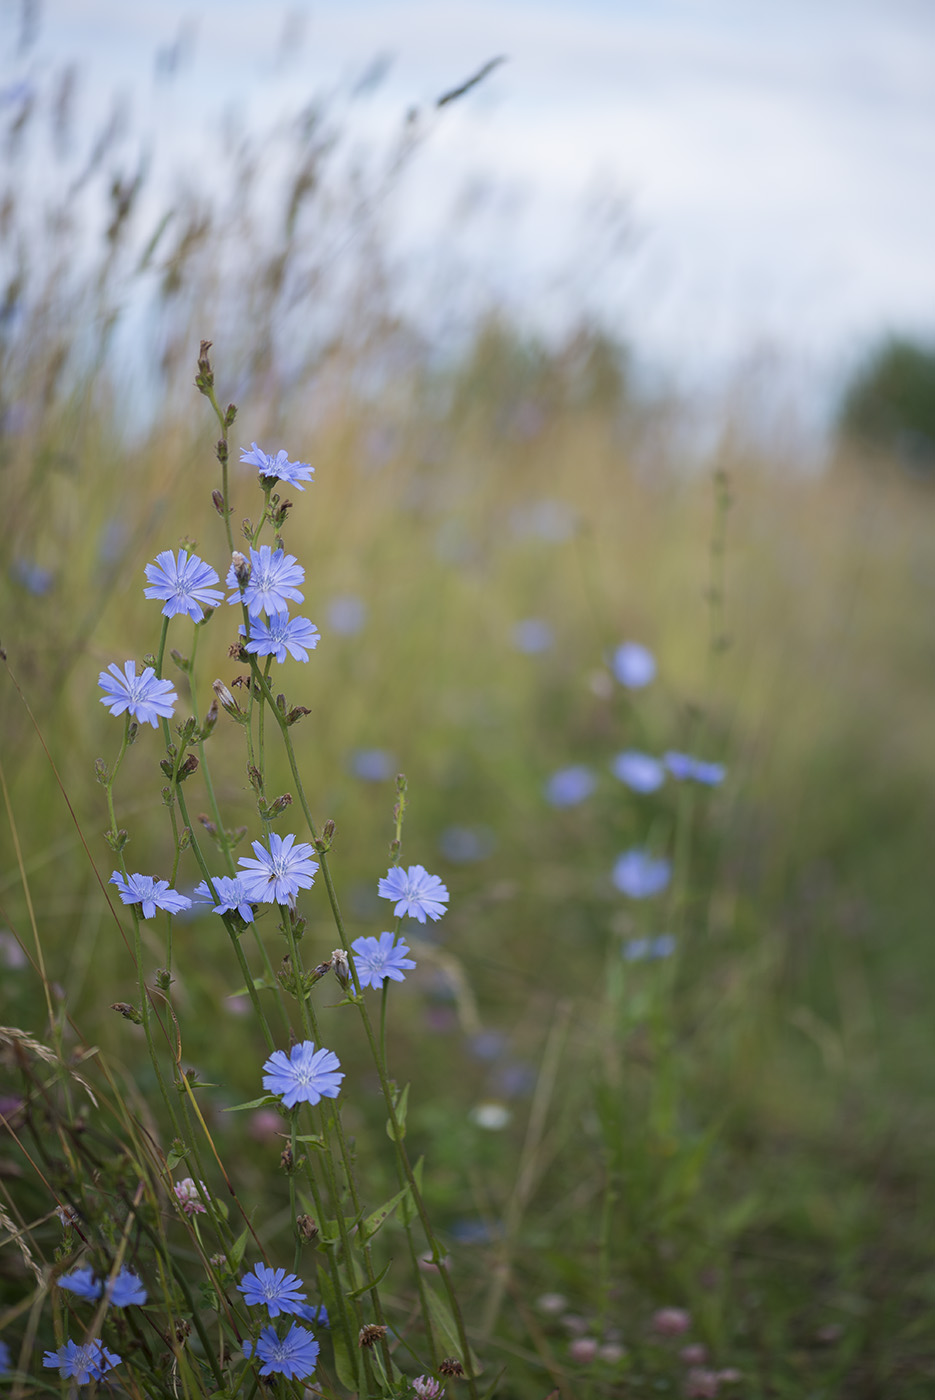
point(725, 1148)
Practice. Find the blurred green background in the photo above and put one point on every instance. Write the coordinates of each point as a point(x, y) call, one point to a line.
point(489, 520)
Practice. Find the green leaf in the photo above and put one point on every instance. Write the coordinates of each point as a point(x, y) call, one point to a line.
point(236, 1252)
point(311, 1140)
point(447, 1328)
point(366, 1287)
point(407, 1206)
point(372, 1222)
point(176, 1155)
point(344, 1347)
point(254, 1103)
point(401, 1105)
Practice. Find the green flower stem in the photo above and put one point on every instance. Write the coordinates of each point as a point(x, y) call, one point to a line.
point(210, 395)
point(438, 1257)
point(226, 851)
point(234, 938)
point(310, 1023)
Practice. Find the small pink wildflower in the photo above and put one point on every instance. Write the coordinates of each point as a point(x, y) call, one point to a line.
point(188, 1198)
point(701, 1384)
point(670, 1322)
point(427, 1388)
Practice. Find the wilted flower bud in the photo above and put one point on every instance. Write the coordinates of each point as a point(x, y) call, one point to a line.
point(211, 719)
point(371, 1334)
point(451, 1366)
point(340, 966)
point(128, 1012)
point(241, 567)
point(218, 500)
point(227, 702)
point(306, 1226)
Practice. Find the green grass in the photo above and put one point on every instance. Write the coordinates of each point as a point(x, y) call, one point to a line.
point(745, 1130)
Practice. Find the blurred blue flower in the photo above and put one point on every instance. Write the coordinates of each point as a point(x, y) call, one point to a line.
point(515, 1077)
point(274, 579)
point(533, 635)
point(373, 765)
point(464, 844)
point(418, 894)
point(151, 893)
point(32, 576)
point(6, 1359)
point(279, 634)
point(305, 1075)
point(278, 1291)
point(126, 1289)
point(638, 770)
point(293, 1356)
point(310, 1313)
point(278, 467)
point(346, 615)
point(277, 874)
point(376, 959)
point(81, 1363)
point(487, 1045)
point(643, 949)
point(633, 665)
point(147, 698)
point(682, 766)
point(183, 584)
point(569, 786)
point(232, 893)
point(474, 1232)
point(83, 1282)
point(640, 875)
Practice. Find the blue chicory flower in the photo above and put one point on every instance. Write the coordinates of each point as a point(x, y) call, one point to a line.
point(232, 893)
point(6, 1360)
point(279, 634)
point(277, 874)
point(278, 467)
point(638, 770)
point(293, 1356)
point(279, 1291)
point(376, 959)
point(153, 894)
point(682, 766)
point(183, 583)
point(81, 1363)
point(146, 697)
point(633, 665)
point(640, 875)
point(273, 582)
point(569, 786)
point(305, 1075)
point(418, 894)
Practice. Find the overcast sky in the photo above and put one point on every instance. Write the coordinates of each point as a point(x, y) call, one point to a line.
point(772, 162)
